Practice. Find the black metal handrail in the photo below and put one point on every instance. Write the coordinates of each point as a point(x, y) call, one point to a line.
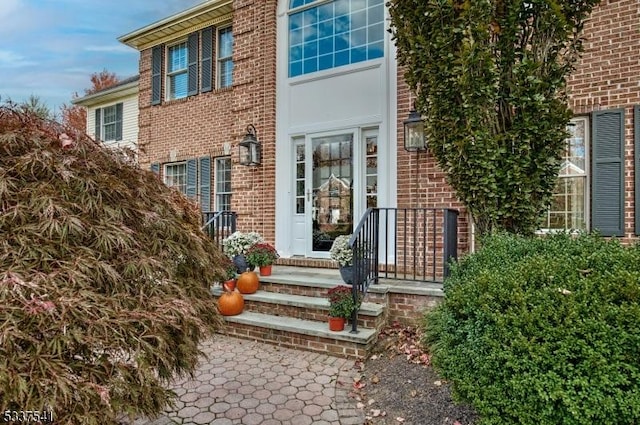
point(415, 244)
point(364, 245)
point(219, 225)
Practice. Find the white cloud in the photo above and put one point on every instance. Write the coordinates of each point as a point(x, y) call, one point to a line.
point(109, 48)
point(10, 59)
point(7, 7)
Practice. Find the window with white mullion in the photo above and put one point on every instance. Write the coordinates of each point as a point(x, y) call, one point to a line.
point(225, 57)
point(177, 75)
point(109, 119)
point(175, 175)
point(300, 176)
point(371, 174)
point(569, 204)
point(223, 184)
point(329, 34)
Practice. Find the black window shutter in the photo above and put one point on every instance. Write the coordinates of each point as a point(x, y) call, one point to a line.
point(155, 168)
point(192, 178)
point(205, 183)
point(193, 64)
point(156, 74)
point(206, 79)
point(607, 185)
point(98, 116)
point(118, 121)
point(636, 164)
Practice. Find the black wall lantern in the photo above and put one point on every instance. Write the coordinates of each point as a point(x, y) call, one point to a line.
point(414, 139)
point(249, 148)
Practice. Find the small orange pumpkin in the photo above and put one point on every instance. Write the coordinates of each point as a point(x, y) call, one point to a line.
point(230, 303)
point(248, 283)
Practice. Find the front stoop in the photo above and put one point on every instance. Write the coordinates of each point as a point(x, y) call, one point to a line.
point(290, 309)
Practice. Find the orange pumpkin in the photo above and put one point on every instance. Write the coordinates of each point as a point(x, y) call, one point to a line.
point(248, 283)
point(230, 303)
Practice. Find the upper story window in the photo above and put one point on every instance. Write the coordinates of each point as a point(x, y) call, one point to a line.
point(177, 74)
point(225, 60)
point(199, 64)
point(328, 35)
point(108, 125)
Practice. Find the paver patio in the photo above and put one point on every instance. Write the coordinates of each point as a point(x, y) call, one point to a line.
point(247, 382)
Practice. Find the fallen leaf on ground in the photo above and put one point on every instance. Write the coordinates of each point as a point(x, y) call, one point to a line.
point(375, 379)
point(377, 412)
point(400, 419)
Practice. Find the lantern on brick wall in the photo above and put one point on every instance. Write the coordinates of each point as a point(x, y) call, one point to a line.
point(249, 148)
point(414, 138)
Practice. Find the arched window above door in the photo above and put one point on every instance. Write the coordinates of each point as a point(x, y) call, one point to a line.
point(325, 35)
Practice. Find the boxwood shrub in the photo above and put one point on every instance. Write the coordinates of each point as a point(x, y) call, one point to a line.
point(543, 331)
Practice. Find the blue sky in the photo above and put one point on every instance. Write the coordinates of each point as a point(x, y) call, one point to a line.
point(50, 48)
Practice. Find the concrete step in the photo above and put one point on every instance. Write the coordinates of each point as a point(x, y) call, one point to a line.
point(301, 281)
point(370, 315)
point(299, 333)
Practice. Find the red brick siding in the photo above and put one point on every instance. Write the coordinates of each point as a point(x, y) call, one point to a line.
point(201, 124)
point(608, 76)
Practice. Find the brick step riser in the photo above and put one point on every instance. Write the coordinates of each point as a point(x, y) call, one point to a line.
point(292, 289)
point(300, 341)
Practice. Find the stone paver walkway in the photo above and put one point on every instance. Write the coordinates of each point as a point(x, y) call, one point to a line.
point(245, 382)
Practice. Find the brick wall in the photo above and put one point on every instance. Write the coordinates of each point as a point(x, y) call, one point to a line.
point(608, 76)
point(421, 183)
point(202, 124)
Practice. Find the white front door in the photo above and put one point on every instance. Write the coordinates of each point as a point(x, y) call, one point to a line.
point(335, 179)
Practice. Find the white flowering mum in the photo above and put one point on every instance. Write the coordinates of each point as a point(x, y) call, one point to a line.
point(239, 243)
point(341, 251)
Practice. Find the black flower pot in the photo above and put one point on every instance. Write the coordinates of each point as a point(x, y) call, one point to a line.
point(240, 261)
point(346, 272)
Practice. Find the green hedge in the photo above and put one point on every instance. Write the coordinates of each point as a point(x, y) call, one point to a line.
point(543, 331)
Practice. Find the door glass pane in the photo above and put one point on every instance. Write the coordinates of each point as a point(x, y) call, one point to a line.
point(300, 175)
point(332, 189)
point(372, 170)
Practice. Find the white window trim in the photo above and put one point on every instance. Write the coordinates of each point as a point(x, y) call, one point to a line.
point(168, 74)
point(220, 59)
point(102, 135)
point(587, 185)
point(165, 166)
point(217, 161)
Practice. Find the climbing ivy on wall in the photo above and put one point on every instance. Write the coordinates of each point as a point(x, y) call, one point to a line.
point(490, 80)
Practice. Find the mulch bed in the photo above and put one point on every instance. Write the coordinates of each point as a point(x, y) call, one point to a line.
point(397, 385)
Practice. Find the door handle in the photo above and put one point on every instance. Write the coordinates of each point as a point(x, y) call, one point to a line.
point(308, 195)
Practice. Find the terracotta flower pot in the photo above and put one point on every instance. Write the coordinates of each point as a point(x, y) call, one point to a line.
point(265, 270)
point(336, 324)
point(229, 285)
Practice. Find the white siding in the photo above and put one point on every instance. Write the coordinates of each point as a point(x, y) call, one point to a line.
point(129, 121)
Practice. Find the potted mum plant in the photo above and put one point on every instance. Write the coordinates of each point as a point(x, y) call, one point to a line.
point(263, 255)
point(342, 253)
point(341, 306)
point(236, 247)
point(229, 274)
